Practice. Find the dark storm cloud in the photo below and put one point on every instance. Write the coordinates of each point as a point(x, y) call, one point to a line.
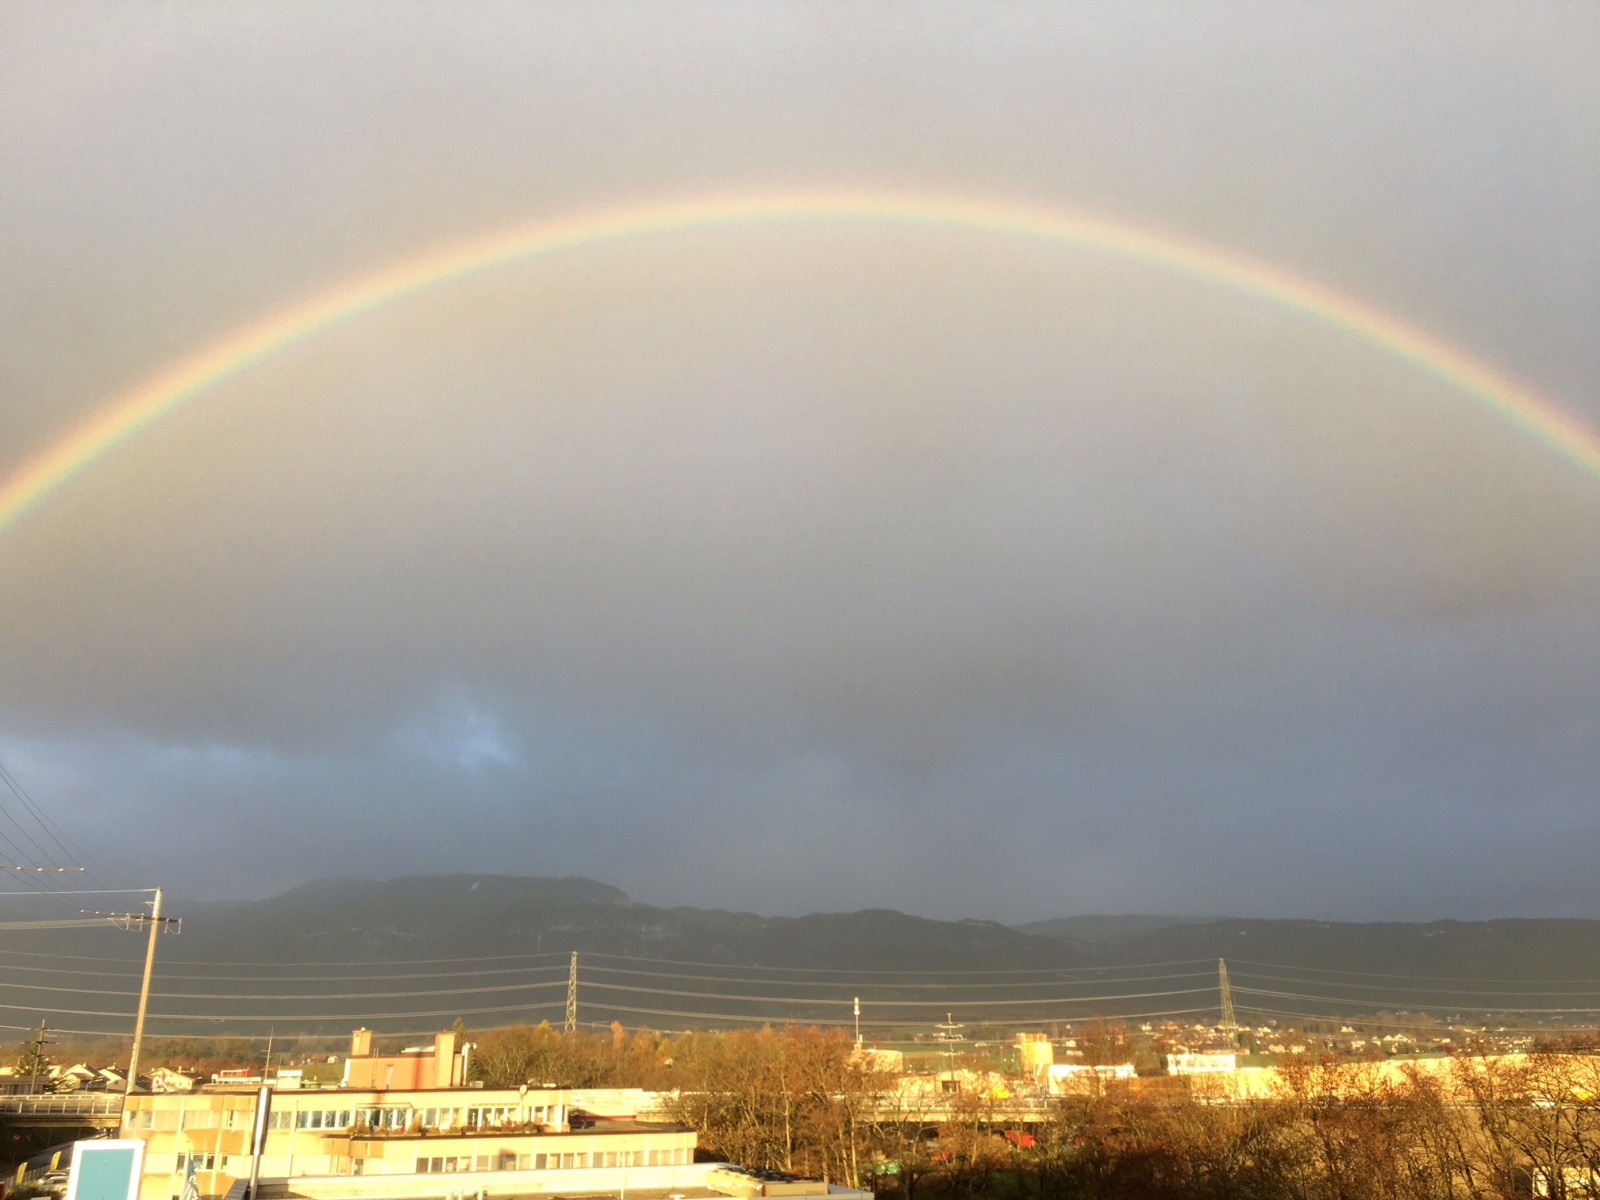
point(943, 571)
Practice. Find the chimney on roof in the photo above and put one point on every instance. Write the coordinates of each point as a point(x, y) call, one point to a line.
point(444, 1060)
point(361, 1043)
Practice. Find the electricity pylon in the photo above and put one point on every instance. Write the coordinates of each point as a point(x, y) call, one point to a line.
point(1230, 1024)
point(950, 1034)
point(572, 995)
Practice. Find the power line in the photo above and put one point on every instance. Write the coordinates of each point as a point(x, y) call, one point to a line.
point(676, 962)
point(360, 1016)
point(1412, 990)
point(1369, 1003)
point(842, 983)
point(41, 856)
point(288, 979)
point(1428, 978)
point(499, 971)
point(845, 1022)
point(880, 1003)
point(264, 979)
point(127, 891)
point(52, 829)
point(278, 966)
point(477, 991)
point(562, 954)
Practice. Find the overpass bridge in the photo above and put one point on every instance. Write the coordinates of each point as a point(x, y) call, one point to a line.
point(66, 1110)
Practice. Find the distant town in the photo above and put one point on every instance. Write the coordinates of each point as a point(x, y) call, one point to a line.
point(778, 1109)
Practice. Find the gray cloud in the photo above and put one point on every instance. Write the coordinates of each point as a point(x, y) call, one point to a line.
point(874, 565)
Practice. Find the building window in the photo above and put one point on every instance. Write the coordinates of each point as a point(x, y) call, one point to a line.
point(302, 1120)
point(541, 1162)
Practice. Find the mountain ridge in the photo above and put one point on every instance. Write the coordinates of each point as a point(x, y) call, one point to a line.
point(410, 952)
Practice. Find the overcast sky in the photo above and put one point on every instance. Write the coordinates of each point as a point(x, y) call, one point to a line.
point(800, 568)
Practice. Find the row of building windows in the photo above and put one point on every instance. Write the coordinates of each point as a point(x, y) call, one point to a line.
point(444, 1165)
point(321, 1119)
point(396, 1118)
point(441, 1164)
point(147, 1118)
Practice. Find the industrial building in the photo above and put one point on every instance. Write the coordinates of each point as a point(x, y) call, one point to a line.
point(381, 1141)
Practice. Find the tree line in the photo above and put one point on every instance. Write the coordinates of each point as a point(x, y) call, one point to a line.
point(803, 1100)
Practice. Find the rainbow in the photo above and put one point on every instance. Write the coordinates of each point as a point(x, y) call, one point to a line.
point(149, 401)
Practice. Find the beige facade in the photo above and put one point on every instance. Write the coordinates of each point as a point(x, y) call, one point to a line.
point(340, 1132)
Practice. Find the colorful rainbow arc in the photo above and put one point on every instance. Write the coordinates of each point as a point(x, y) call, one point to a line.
point(154, 398)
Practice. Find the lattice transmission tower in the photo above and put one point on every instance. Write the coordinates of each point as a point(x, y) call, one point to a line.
point(572, 995)
point(1230, 1024)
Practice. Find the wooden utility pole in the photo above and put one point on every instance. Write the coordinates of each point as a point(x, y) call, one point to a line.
point(37, 1058)
point(130, 920)
point(144, 992)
